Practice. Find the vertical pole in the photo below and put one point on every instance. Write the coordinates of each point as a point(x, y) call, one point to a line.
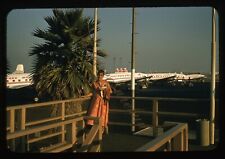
point(133, 71)
point(63, 111)
point(73, 132)
point(177, 143)
point(63, 126)
point(23, 126)
point(23, 118)
point(99, 136)
point(95, 47)
point(155, 118)
point(83, 129)
point(12, 129)
point(12, 120)
point(168, 146)
point(213, 78)
point(185, 138)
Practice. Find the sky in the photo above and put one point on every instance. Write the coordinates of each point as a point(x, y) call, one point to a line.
point(168, 39)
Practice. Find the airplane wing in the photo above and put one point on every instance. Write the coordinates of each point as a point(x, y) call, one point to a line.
point(192, 77)
point(129, 80)
point(143, 79)
point(166, 79)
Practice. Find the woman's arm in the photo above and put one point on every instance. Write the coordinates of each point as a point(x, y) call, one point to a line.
point(109, 87)
point(95, 86)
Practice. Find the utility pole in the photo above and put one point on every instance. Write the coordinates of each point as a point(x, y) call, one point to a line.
point(95, 47)
point(213, 79)
point(133, 70)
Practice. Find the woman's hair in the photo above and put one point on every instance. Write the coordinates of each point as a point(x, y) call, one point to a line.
point(101, 71)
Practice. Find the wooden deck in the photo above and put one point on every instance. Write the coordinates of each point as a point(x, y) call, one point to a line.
point(119, 139)
point(118, 142)
point(127, 142)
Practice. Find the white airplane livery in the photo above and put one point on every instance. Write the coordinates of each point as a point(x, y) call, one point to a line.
point(161, 76)
point(180, 77)
point(18, 79)
point(122, 76)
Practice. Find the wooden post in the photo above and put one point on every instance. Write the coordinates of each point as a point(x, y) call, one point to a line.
point(12, 128)
point(73, 137)
point(168, 146)
point(83, 130)
point(63, 133)
point(177, 142)
point(63, 126)
point(71, 134)
point(181, 141)
point(12, 120)
point(185, 139)
point(22, 119)
point(63, 111)
point(99, 138)
point(155, 117)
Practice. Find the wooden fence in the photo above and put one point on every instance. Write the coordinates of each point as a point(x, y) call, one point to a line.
point(155, 113)
point(18, 125)
point(29, 132)
point(175, 139)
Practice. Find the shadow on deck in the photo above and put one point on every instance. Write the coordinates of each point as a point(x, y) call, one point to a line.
point(118, 141)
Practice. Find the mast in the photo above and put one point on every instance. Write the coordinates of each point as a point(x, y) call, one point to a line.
point(95, 47)
point(133, 69)
point(213, 78)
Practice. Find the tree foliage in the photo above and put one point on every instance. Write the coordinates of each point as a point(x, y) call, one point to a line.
point(63, 62)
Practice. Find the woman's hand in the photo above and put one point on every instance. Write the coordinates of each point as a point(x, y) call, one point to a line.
point(102, 88)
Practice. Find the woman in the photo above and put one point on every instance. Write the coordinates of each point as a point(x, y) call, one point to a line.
point(100, 101)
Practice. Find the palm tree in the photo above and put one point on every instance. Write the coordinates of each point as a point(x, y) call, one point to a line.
point(63, 64)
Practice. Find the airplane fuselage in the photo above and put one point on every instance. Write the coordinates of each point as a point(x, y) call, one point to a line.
point(118, 77)
point(159, 76)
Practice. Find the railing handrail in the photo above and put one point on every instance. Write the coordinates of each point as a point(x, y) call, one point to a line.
point(63, 116)
point(46, 103)
point(113, 97)
point(40, 128)
point(160, 98)
point(164, 138)
point(96, 132)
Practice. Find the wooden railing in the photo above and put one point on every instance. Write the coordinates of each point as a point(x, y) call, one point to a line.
point(22, 113)
point(175, 139)
point(93, 140)
point(33, 130)
point(61, 146)
point(155, 113)
point(69, 138)
point(17, 120)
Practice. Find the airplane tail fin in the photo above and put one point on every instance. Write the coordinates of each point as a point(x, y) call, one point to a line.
point(19, 68)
